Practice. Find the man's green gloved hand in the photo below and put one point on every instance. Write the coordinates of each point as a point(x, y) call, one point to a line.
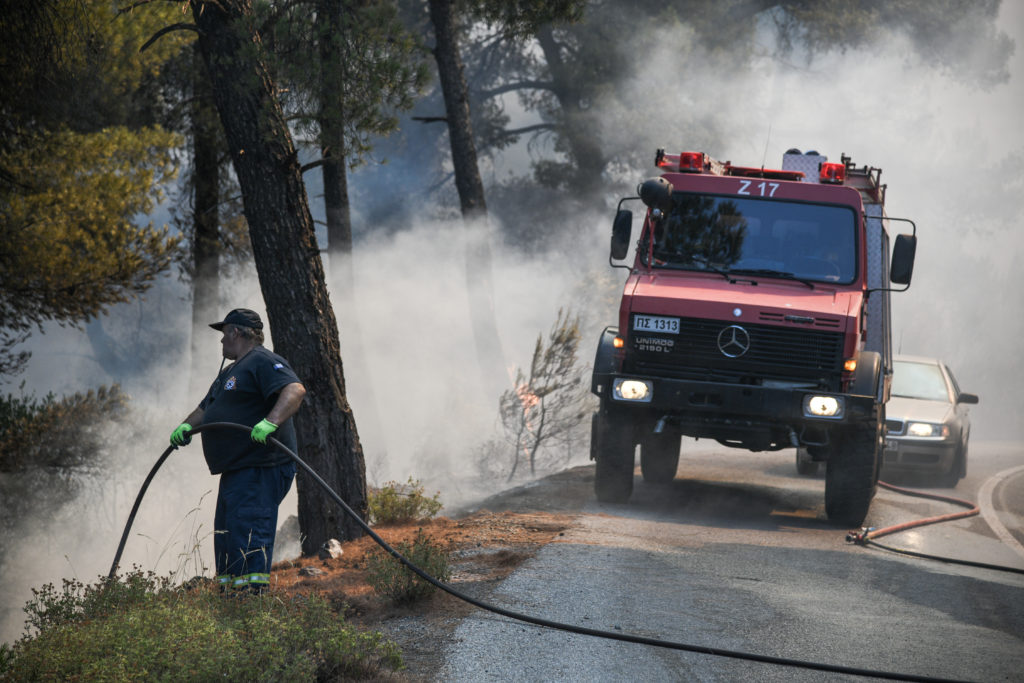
point(262, 430)
point(181, 436)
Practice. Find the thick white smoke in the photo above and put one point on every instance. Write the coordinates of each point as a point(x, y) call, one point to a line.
point(952, 154)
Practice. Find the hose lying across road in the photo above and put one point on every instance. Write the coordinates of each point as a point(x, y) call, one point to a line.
point(866, 536)
point(655, 642)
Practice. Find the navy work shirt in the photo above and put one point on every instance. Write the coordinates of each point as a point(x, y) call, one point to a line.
point(244, 393)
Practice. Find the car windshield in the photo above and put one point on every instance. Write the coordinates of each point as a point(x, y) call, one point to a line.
point(919, 380)
point(755, 237)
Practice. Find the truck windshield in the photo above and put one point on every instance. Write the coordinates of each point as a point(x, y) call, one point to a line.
point(728, 234)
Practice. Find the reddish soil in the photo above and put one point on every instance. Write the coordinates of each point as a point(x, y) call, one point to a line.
point(484, 547)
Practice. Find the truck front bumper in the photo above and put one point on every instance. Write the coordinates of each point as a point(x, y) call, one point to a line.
point(707, 401)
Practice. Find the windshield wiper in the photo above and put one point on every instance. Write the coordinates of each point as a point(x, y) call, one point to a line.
point(768, 272)
point(705, 266)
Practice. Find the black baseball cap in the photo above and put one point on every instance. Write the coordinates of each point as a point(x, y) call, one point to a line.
point(242, 317)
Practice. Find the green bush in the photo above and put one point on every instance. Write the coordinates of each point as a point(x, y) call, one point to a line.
point(140, 628)
point(396, 503)
point(391, 578)
point(55, 433)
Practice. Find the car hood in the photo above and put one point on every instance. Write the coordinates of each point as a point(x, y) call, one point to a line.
point(916, 409)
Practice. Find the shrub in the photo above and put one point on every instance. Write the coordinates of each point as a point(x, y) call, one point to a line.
point(402, 503)
point(391, 578)
point(55, 433)
point(547, 405)
point(140, 628)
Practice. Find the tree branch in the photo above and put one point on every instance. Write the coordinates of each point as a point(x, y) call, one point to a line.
point(526, 129)
point(520, 85)
point(431, 119)
point(167, 29)
point(311, 165)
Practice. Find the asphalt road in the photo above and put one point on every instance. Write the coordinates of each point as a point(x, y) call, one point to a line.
point(736, 555)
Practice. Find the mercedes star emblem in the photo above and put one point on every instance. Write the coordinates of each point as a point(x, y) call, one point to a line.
point(733, 341)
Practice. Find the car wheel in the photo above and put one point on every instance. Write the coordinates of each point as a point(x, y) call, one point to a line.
point(957, 469)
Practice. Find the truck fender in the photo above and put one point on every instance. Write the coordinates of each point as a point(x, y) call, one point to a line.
point(605, 362)
point(867, 375)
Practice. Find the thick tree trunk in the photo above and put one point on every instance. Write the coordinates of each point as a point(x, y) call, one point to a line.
point(206, 225)
point(479, 270)
point(291, 273)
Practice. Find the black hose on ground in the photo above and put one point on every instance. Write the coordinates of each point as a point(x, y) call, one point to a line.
point(612, 635)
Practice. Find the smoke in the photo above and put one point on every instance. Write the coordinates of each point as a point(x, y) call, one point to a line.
point(952, 154)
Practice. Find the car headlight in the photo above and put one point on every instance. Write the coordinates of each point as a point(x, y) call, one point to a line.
point(633, 390)
point(927, 429)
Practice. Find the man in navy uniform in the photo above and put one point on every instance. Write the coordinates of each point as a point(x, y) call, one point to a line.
point(259, 390)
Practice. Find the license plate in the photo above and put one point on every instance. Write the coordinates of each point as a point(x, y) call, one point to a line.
point(656, 323)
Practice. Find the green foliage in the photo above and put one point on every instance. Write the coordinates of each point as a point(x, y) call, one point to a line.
point(69, 245)
point(349, 67)
point(547, 405)
point(49, 449)
point(81, 159)
point(79, 64)
point(391, 578)
point(139, 627)
point(55, 433)
point(396, 503)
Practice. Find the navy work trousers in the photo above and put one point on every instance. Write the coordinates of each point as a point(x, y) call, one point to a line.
point(245, 523)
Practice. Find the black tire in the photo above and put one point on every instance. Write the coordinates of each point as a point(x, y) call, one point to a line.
point(851, 472)
point(659, 457)
point(805, 465)
point(865, 378)
point(957, 469)
point(614, 452)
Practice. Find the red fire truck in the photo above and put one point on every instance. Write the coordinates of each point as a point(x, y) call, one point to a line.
point(755, 313)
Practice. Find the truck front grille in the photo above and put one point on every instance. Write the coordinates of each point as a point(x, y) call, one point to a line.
point(776, 352)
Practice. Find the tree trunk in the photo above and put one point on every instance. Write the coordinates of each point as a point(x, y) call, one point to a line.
point(288, 262)
point(479, 271)
point(206, 225)
point(336, 203)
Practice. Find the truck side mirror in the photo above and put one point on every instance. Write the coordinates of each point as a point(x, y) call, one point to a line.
point(903, 259)
point(621, 229)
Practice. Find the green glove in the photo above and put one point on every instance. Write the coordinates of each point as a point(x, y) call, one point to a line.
point(262, 430)
point(181, 436)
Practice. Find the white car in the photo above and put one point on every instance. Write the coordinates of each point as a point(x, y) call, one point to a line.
point(927, 422)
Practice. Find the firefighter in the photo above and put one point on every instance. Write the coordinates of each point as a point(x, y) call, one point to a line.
point(259, 390)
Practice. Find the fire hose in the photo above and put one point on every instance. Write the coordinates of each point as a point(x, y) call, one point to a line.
point(866, 536)
point(625, 637)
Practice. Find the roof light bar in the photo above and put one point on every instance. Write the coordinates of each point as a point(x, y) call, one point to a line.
point(833, 173)
point(684, 162)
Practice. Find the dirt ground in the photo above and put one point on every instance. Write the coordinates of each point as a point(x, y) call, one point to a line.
point(485, 544)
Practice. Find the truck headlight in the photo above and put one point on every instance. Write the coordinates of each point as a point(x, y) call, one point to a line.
point(823, 406)
point(633, 390)
point(926, 429)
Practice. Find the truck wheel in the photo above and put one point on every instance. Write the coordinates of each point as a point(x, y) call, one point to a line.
point(851, 473)
point(805, 464)
point(659, 457)
point(613, 449)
